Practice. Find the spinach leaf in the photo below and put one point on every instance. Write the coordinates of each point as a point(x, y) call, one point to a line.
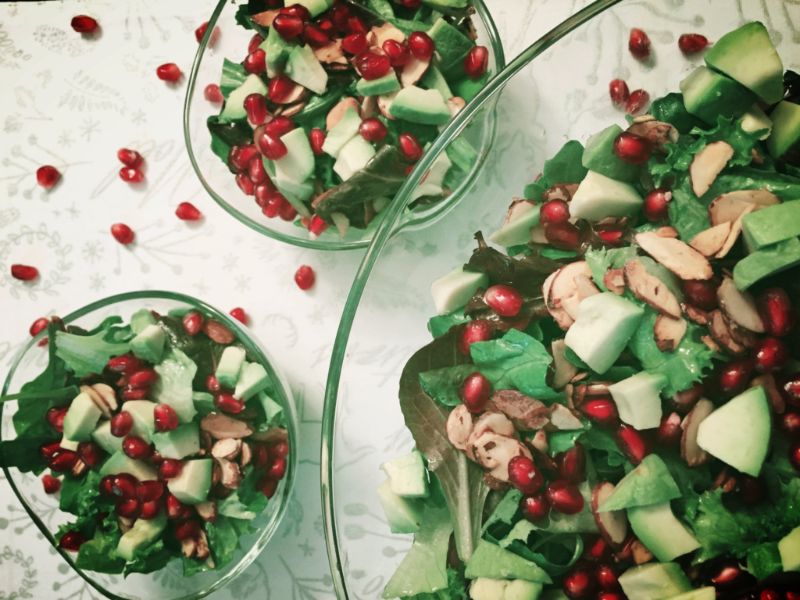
point(203, 351)
point(233, 75)
point(565, 167)
point(764, 560)
point(600, 260)
point(441, 324)
point(443, 385)
point(81, 495)
point(151, 558)
point(88, 354)
point(224, 135)
point(686, 213)
point(785, 186)
point(98, 554)
point(223, 539)
point(319, 105)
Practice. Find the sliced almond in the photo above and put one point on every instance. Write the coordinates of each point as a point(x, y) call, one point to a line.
point(330, 54)
point(614, 280)
point(384, 32)
point(107, 394)
point(97, 400)
point(493, 483)
point(696, 315)
point(265, 18)
point(494, 422)
point(230, 475)
point(658, 133)
point(222, 426)
point(563, 370)
point(539, 441)
point(729, 207)
point(650, 289)
point(774, 396)
point(742, 336)
point(669, 332)
point(207, 510)
point(691, 452)
point(563, 418)
point(125, 524)
point(640, 553)
point(385, 103)
point(246, 455)
point(79, 468)
point(667, 231)
point(202, 551)
point(189, 547)
point(613, 525)
point(494, 452)
point(560, 316)
point(711, 241)
point(585, 286)
point(733, 235)
point(337, 112)
point(564, 290)
point(721, 333)
point(526, 413)
point(455, 104)
point(459, 426)
point(273, 435)
point(739, 306)
point(560, 191)
point(707, 164)
point(227, 448)
point(413, 71)
point(675, 255)
point(290, 111)
point(710, 343)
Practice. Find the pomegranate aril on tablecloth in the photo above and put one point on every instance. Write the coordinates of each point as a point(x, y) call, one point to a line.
point(84, 24)
point(24, 272)
point(639, 43)
point(304, 277)
point(131, 175)
point(692, 43)
point(122, 233)
point(186, 211)
point(169, 72)
point(47, 176)
point(619, 92)
point(240, 315)
point(130, 158)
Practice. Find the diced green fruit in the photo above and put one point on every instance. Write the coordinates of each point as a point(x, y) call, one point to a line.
point(451, 45)
point(710, 95)
point(785, 129)
point(663, 534)
point(491, 561)
point(456, 288)
point(748, 56)
point(68, 444)
point(230, 365)
point(416, 105)
point(670, 109)
point(103, 437)
point(407, 475)
point(638, 399)
point(772, 224)
point(598, 197)
point(144, 424)
point(81, 418)
point(353, 157)
point(468, 88)
point(756, 119)
point(433, 184)
point(194, 482)
point(121, 463)
point(304, 68)
point(143, 533)
point(298, 164)
point(341, 133)
point(484, 588)
point(149, 344)
point(654, 581)
point(649, 483)
point(738, 432)
point(179, 443)
point(765, 262)
point(277, 50)
point(789, 549)
point(272, 410)
point(234, 105)
point(174, 386)
point(315, 7)
point(403, 514)
point(252, 379)
point(603, 328)
point(296, 193)
point(704, 593)
point(375, 87)
point(517, 230)
point(599, 156)
point(141, 319)
point(434, 80)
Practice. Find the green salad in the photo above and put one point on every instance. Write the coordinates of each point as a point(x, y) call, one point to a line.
point(161, 435)
point(611, 408)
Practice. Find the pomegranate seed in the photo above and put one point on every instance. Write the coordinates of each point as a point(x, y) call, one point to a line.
point(669, 432)
point(275, 203)
point(129, 158)
point(166, 419)
point(169, 468)
point(606, 578)
point(287, 212)
point(192, 322)
point(611, 596)
point(122, 233)
point(131, 175)
point(790, 423)
point(356, 25)
point(201, 31)
point(656, 205)
point(48, 451)
point(598, 550)
point(255, 62)
point(38, 326)
point(412, 4)
point(132, 393)
point(304, 277)
point(277, 469)
point(554, 211)
point(50, 484)
point(175, 508)
point(169, 72)
point(268, 486)
point(776, 311)
point(55, 417)
point(243, 181)
point(316, 226)
point(256, 171)
point(524, 475)
point(326, 25)
point(135, 447)
point(24, 272)
point(701, 293)
point(611, 236)
point(186, 211)
point(128, 508)
point(71, 541)
point(771, 354)
point(734, 376)
point(579, 584)
point(727, 575)
point(475, 392)
point(240, 156)
point(790, 389)
point(372, 65)
point(279, 126)
point(637, 102)
point(409, 146)
point(476, 62)
point(601, 411)
point(213, 94)
point(272, 148)
point(90, 453)
point(572, 464)
point(150, 510)
point(279, 450)
point(639, 43)
point(563, 235)
point(631, 442)
point(261, 456)
point(280, 88)
point(212, 384)
point(619, 92)
point(84, 24)
point(63, 461)
point(288, 27)
point(770, 594)
point(187, 530)
point(632, 148)
point(397, 52)
point(339, 15)
point(535, 508)
point(147, 491)
point(106, 486)
point(296, 10)
point(239, 314)
point(263, 192)
point(47, 176)
point(254, 43)
point(228, 404)
point(316, 138)
point(564, 497)
point(794, 456)
point(504, 300)
point(373, 130)
point(422, 46)
point(355, 43)
point(478, 330)
point(691, 43)
point(314, 36)
point(256, 107)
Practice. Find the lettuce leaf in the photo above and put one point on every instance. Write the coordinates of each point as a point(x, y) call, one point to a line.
point(98, 554)
point(687, 214)
point(764, 560)
point(88, 354)
point(602, 259)
point(443, 385)
point(441, 324)
point(565, 167)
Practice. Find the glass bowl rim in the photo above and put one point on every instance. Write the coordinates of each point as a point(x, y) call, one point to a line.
point(267, 532)
point(493, 41)
point(386, 230)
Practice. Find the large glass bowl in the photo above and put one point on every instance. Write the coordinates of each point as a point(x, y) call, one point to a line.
point(168, 583)
point(218, 180)
point(557, 89)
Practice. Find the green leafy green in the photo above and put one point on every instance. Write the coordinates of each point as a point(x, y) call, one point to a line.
point(233, 507)
point(565, 167)
point(443, 384)
point(98, 554)
point(785, 186)
point(88, 354)
point(149, 558)
point(223, 539)
point(602, 259)
point(494, 562)
point(81, 495)
point(670, 109)
point(441, 324)
point(225, 135)
point(203, 351)
point(687, 214)
point(318, 105)
point(764, 560)
point(233, 75)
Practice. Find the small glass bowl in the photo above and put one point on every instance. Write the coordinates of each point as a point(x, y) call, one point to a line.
point(219, 182)
point(169, 582)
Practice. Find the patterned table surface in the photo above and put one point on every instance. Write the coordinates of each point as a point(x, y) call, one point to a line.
point(72, 102)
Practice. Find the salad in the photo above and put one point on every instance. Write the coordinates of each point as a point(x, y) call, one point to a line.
point(335, 101)
point(160, 436)
point(611, 408)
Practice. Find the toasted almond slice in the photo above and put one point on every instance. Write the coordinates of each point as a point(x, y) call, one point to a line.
point(203, 551)
point(265, 18)
point(227, 448)
point(658, 133)
point(563, 370)
point(691, 452)
point(614, 280)
point(526, 413)
point(640, 553)
point(459, 426)
point(721, 333)
point(560, 191)
point(494, 452)
point(331, 54)
point(384, 103)
point(246, 455)
point(739, 306)
point(386, 31)
point(563, 418)
point(710, 343)
point(97, 400)
point(413, 71)
point(563, 286)
point(189, 547)
point(560, 316)
point(696, 315)
point(207, 510)
point(675, 255)
point(707, 164)
point(585, 286)
point(337, 112)
point(613, 525)
point(273, 435)
point(710, 241)
point(496, 422)
point(455, 104)
point(290, 111)
point(728, 207)
point(669, 332)
point(650, 289)
point(230, 474)
point(222, 426)
point(736, 229)
point(667, 231)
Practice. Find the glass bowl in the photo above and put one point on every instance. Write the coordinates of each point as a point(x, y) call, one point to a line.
point(555, 90)
point(169, 582)
point(219, 181)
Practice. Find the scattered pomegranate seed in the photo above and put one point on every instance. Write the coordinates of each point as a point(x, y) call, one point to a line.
point(670, 431)
point(63, 461)
point(132, 393)
point(619, 92)
point(601, 411)
point(212, 384)
point(255, 62)
point(288, 26)
point(606, 578)
point(372, 65)
point(84, 24)
point(421, 45)
point(771, 354)
point(632, 148)
point(213, 94)
point(295, 10)
point(150, 510)
point(563, 235)
point(279, 126)
point(124, 363)
point(279, 88)
point(256, 107)
point(373, 130)
point(271, 147)
point(240, 156)
point(476, 62)
point(355, 43)
point(254, 43)
point(287, 212)
point(776, 311)
point(409, 146)
point(475, 392)
point(279, 450)
point(166, 419)
point(639, 43)
point(339, 15)
point(612, 236)
point(579, 584)
point(734, 376)
point(135, 447)
point(130, 175)
point(564, 497)
point(611, 596)
point(71, 541)
point(175, 508)
point(770, 594)
point(304, 277)
point(632, 443)
point(691, 43)
point(147, 491)
point(48, 451)
point(187, 530)
point(316, 138)
point(524, 475)
point(397, 52)
point(24, 272)
point(186, 211)
point(314, 36)
point(268, 486)
point(50, 484)
point(218, 332)
point(701, 293)
point(201, 31)
point(90, 453)
point(169, 468)
point(122, 233)
point(637, 102)
point(504, 300)
point(47, 176)
point(128, 508)
point(239, 314)
point(169, 72)
point(790, 423)
point(55, 417)
point(228, 404)
point(316, 226)
point(38, 326)
point(656, 205)
point(356, 25)
point(554, 211)
point(478, 330)
point(277, 469)
point(129, 158)
point(572, 464)
point(535, 508)
point(598, 550)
